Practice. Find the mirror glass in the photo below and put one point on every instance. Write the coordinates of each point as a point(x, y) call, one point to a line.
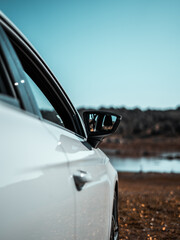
point(101, 122)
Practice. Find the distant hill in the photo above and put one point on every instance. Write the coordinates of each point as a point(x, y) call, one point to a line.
point(148, 123)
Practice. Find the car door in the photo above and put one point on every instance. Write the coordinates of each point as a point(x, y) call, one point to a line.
point(91, 185)
point(88, 170)
point(36, 192)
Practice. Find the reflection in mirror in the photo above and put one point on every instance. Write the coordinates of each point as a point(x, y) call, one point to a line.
point(101, 122)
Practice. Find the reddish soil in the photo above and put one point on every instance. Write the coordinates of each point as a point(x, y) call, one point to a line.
point(149, 206)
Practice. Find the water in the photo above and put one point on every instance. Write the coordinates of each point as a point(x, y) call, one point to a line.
point(145, 165)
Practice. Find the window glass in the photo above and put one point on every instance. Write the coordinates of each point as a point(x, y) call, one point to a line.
point(4, 88)
point(52, 105)
point(47, 110)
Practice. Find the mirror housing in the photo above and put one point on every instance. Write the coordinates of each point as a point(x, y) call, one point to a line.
point(100, 124)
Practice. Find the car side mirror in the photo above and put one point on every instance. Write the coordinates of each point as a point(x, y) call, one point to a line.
point(100, 124)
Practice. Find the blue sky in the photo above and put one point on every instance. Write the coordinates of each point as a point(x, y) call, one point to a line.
point(110, 53)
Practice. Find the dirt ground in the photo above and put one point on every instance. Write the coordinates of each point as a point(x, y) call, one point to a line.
point(149, 206)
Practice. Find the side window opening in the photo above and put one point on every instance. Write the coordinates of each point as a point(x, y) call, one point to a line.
point(46, 109)
point(38, 73)
point(38, 80)
point(28, 62)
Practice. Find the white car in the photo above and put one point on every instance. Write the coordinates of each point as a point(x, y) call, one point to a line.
point(54, 181)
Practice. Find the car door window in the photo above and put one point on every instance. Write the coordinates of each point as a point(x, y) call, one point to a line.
point(38, 91)
point(47, 110)
point(59, 108)
point(41, 89)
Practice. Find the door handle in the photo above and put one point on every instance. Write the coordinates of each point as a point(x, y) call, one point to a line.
point(81, 178)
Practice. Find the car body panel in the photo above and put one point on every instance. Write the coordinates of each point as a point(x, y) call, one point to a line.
point(93, 211)
point(36, 195)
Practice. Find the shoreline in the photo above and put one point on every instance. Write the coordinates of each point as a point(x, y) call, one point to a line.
point(139, 147)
